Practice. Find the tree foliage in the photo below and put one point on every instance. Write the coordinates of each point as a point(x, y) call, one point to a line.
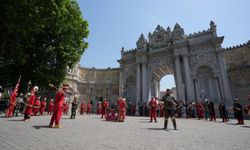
point(39, 39)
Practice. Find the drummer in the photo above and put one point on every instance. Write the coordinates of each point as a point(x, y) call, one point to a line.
point(122, 109)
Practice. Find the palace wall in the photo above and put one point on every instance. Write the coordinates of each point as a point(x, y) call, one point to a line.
point(237, 61)
point(88, 83)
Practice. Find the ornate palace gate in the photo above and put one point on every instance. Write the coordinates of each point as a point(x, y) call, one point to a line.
point(195, 60)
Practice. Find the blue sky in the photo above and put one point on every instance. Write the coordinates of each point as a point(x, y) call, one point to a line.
point(117, 23)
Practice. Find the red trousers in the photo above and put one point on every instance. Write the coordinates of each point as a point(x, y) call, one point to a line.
point(212, 117)
point(9, 112)
point(56, 117)
point(121, 115)
point(152, 115)
point(104, 112)
point(35, 111)
point(41, 111)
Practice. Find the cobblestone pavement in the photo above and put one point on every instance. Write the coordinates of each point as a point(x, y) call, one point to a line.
point(92, 133)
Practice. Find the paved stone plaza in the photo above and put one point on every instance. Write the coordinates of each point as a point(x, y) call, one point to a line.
point(90, 132)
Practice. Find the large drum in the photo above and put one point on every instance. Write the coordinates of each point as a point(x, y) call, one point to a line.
point(116, 115)
point(112, 115)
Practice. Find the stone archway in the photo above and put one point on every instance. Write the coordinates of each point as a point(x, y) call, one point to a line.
point(184, 56)
point(207, 82)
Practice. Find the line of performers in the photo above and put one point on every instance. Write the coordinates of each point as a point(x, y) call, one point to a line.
point(169, 107)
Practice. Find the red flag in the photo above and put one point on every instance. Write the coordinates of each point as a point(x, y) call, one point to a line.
point(10, 110)
point(14, 93)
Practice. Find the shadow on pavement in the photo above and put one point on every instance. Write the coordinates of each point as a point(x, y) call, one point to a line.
point(154, 128)
point(245, 126)
point(232, 124)
point(146, 121)
point(40, 126)
point(16, 120)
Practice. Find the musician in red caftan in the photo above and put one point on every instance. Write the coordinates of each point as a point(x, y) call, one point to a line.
point(50, 108)
point(82, 109)
point(89, 108)
point(37, 106)
point(105, 105)
point(43, 105)
point(99, 108)
point(153, 104)
point(58, 107)
point(122, 109)
point(29, 104)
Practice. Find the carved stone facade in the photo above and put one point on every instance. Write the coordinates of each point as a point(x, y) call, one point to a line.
point(237, 60)
point(197, 62)
point(88, 83)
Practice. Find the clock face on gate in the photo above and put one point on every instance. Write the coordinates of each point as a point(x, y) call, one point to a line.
point(158, 38)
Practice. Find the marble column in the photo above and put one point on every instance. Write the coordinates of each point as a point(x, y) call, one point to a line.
point(224, 78)
point(144, 82)
point(138, 87)
point(197, 89)
point(180, 92)
point(121, 82)
point(217, 88)
point(189, 83)
point(156, 88)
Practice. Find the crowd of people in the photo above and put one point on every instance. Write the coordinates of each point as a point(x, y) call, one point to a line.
point(31, 104)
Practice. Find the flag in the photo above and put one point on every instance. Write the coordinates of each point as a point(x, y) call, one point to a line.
point(10, 110)
point(14, 92)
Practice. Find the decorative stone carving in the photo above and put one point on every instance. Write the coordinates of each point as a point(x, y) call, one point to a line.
point(141, 43)
point(178, 32)
point(212, 26)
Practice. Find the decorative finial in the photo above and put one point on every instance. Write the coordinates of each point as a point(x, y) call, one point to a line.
point(122, 50)
point(212, 26)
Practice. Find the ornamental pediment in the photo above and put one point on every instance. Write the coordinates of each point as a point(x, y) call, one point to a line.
point(160, 35)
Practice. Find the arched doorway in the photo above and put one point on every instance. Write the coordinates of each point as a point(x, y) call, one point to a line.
point(167, 82)
point(208, 83)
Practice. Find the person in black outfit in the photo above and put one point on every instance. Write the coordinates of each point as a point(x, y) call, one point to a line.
point(211, 111)
point(169, 107)
point(238, 111)
point(73, 109)
point(223, 111)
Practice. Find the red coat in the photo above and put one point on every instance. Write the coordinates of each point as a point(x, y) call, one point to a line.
point(50, 108)
point(59, 100)
point(29, 104)
point(37, 103)
point(153, 104)
point(105, 104)
point(122, 104)
point(43, 105)
point(89, 107)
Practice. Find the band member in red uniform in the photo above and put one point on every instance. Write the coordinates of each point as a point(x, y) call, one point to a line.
point(58, 104)
point(9, 112)
point(37, 106)
point(82, 109)
point(199, 110)
point(50, 108)
point(29, 104)
point(99, 108)
point(89, 108)
point(43, 105)
point(153, 104)
point(247, 106)
point(105, 105)
point(122, 109)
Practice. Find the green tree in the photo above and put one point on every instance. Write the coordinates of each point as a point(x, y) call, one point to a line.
point(39, 39)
